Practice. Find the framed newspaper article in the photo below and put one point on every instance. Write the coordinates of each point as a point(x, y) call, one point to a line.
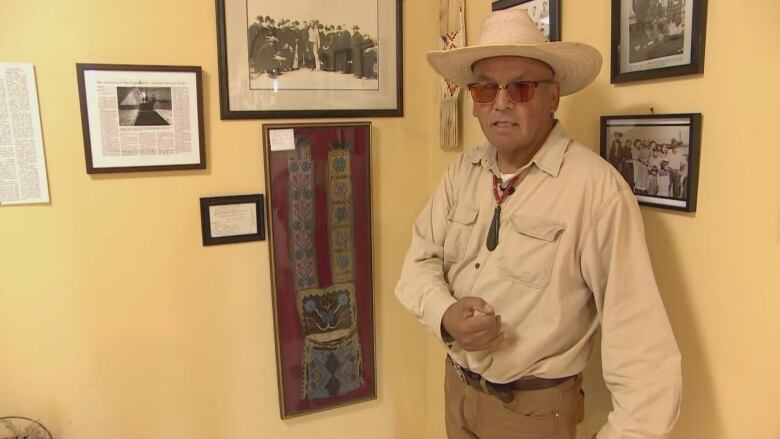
point(657, 38)
point(309, 58)
point(545, 13)
point(657, 155)
point(319, 222)
point(232, 219)
point(141, 118)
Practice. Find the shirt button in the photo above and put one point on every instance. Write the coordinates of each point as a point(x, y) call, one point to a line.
point(476, 265)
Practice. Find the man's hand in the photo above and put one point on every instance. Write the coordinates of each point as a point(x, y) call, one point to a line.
point(473, 324)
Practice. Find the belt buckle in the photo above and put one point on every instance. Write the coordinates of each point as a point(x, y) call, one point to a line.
point(506, 396)
point(458, 369)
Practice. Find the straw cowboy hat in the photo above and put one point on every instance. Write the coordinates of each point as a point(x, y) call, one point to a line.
point(511, 32)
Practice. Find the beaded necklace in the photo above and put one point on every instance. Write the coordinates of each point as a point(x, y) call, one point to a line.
point(500, 194)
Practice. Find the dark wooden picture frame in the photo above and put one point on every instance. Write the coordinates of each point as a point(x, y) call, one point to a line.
point(240, 213)
point(657, 41)
point(663, 149)
point(554, 14)
point(266, 72)
point(152, 115)
point(319, 221)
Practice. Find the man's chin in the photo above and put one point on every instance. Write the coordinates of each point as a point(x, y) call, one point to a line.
point(503, 145)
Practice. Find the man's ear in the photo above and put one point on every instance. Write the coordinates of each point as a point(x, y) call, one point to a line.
point(555, 96)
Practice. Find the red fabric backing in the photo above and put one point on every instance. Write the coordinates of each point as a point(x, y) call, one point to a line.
point(289, 327)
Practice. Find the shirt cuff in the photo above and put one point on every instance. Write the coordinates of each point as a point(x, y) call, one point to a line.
point(435, 306)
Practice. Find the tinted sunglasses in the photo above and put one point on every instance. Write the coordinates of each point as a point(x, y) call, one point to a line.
point(518, 91)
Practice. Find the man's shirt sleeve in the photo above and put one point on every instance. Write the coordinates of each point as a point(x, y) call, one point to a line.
point(640, 358)
point(422, 288)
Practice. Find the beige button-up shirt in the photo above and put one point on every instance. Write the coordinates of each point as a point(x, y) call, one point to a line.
point(571, 255)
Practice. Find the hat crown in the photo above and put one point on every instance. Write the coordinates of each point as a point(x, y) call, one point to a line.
point(510, 26)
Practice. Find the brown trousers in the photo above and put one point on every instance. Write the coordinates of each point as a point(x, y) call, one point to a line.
point(551, 413)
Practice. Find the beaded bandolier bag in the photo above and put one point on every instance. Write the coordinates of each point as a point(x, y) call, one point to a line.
point(332, 359)
point(452, 35)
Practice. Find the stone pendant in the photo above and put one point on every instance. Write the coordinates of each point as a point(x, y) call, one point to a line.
point(492, 238)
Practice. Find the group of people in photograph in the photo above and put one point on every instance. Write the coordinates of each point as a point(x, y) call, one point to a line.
point(285, 45)
point(541, 16)
point(658, 26)
point(651, 168)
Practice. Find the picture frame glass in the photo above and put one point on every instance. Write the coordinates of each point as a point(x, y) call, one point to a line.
point(656, 155)
point(655, 34)
point(320, 232)
point(232, 219)
point(141, 118)
point(308, 58)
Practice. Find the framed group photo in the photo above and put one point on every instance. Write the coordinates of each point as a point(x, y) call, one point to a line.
point(310, 59)
point(141, 118)
point(657, 155)
point(319, 221)
point(657, 38)
point(545, 13)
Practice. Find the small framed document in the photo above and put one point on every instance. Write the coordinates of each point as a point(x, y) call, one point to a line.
point(141, 118)
point(236, 218)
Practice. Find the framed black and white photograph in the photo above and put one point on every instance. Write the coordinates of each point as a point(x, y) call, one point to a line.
point(657, 38)
point(657, 155)
point(231, 219)
point(309, 58)
point(141, 118)
point(545, 13)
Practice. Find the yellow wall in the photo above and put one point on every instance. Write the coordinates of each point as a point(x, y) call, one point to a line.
point(116, 321)
point(719, 268)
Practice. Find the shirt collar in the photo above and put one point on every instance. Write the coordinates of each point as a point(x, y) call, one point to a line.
point(549, 158)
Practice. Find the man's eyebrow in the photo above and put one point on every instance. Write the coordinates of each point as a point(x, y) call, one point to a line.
point(481, 77)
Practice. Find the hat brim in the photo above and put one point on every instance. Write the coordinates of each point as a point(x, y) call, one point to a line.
point(575, 64)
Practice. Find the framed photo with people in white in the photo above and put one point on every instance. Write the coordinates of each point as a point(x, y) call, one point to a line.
point(657, 155)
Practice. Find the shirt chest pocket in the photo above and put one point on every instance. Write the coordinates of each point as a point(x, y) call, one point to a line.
point(527, 249)
point(460, 222)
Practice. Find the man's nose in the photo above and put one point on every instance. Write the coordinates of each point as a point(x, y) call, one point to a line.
point(502, 100)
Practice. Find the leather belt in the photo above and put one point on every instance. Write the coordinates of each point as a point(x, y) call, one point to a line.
point(505, 391)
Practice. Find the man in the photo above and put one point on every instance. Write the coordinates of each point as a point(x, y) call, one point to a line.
point(302, 41)
point(330, 48)
point(527, 245)
point(314, 45)
point(252, 32)
point(676, 165)
point(356, 45)
point(664, 182)
point(615, 150)
point(343, 50)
